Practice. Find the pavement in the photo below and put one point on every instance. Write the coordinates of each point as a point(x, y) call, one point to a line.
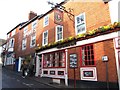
point(81, 85)
point(42, 80)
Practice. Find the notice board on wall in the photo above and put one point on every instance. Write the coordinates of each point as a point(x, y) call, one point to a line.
point(73, 60)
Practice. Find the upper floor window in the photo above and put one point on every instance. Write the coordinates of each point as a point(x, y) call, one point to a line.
point(33, 40)
point(87, 55)
point(25, 31)
point(24, 43)
point(11, 43)
point(34, 24)
point(80, 24)
point(46, 21)
point(45, 38)
point(59, 33)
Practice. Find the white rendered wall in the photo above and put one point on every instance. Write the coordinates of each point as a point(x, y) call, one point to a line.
point(114, 7)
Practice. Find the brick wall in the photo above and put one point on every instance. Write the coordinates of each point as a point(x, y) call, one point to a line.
point(106, 48)
point(28, 49)
point(95, 17)
point(100, 49)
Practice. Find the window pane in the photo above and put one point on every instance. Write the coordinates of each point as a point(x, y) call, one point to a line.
point(59, 32)
point(87, 55)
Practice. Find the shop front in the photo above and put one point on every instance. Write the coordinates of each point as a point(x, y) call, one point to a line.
point(52, 65)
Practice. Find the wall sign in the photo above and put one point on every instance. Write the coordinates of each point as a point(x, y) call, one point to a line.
point(52, 72)
point(45, 72)
point(88, 73)
point(104, 58)
point(73, 60)
point(58, 16)
point(60, 72)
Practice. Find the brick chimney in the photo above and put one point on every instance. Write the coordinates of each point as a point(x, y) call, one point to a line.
point(32, 15)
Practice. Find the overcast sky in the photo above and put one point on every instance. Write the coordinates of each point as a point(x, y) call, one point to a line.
point(13, 12)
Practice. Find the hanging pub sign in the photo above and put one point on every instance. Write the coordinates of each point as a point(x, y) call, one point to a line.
point(73, 60)
point(58, 16)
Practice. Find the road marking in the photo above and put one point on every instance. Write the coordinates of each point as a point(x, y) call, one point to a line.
point(29, 85)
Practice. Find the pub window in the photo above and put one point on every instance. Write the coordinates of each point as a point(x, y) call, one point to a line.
point(24, 43)
point(11, 43)
point(34, 24)
point(45, 38)
point(46, 21)
point(88, 55)
point(25, 31)
point(80, 24)
point(59, 33)
point(54, 59)
point(33, 40)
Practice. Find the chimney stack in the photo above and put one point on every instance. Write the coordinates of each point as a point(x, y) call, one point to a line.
point(32, 15)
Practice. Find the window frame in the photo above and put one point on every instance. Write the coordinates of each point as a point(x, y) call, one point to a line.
point(10, 43)
point(81, 60)
point(44, 21)
point(33, 36)
point(24, 42)
point(43, 44)
point(80, 24)
point(59, 62)
point(25, 30)
point(34, 25)
point(60, 26)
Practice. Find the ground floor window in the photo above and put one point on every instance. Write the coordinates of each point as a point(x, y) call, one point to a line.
point(87, 55)
point(54, 59)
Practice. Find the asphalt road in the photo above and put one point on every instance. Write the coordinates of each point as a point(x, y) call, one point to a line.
point(11, 80)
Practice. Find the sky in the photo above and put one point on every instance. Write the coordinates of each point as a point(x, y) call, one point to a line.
point(13, 12)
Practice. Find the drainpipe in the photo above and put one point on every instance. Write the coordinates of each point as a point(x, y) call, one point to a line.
point(66, 69)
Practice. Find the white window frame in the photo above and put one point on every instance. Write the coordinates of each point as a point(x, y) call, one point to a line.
point(34, 25)
point(44, 22)
point(59, 26)
point(43, 43)
point(24, 41)
point(33, 37)
point(10, 43)
point(25, 31)
point(80, 24)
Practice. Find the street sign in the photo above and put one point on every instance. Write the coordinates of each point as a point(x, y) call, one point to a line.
point(73, 60)
point(104, 58)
